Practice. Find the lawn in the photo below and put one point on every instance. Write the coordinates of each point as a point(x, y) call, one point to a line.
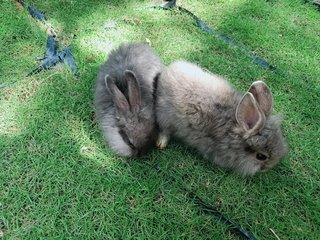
point(58, 180)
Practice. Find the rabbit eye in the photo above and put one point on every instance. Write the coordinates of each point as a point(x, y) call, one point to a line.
point(261, 156)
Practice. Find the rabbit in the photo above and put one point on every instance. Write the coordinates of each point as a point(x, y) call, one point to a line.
point(230, 129)
point(124, 101)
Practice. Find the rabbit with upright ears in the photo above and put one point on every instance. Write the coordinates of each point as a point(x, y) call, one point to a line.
point(230, 129)
point(124, 99)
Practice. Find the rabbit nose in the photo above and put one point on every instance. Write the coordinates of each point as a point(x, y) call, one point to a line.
point(135, 152)
point(263, 168)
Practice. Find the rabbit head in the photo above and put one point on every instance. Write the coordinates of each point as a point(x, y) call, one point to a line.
point(134, 121)
point(262, 145)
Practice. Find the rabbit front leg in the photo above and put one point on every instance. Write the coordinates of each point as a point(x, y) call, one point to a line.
point(163, 126)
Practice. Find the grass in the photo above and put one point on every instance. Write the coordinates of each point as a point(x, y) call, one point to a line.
point(59, 181)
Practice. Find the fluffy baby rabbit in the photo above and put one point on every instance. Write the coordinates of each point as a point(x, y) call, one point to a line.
point(230, 129)
point(124, 99)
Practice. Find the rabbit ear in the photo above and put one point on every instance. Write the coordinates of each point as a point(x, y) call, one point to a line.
point(263, 96)
point(249, 115)
point(133, 90)
point(117, 96)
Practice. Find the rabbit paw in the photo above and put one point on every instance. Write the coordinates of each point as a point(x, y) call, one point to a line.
point(162, 140)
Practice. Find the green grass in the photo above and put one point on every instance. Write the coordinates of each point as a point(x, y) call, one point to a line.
point(59, 181)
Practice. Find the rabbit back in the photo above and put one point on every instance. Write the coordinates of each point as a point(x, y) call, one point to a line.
point(193, 99)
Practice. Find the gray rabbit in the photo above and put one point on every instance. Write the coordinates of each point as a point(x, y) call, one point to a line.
point(230, 129)
point(124, 99)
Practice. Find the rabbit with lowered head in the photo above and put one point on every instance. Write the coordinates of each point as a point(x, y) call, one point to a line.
point(230, 129)
point(124, 99)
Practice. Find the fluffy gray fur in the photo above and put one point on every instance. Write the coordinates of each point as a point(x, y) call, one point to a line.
point(230, 129)
point(124, 99)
